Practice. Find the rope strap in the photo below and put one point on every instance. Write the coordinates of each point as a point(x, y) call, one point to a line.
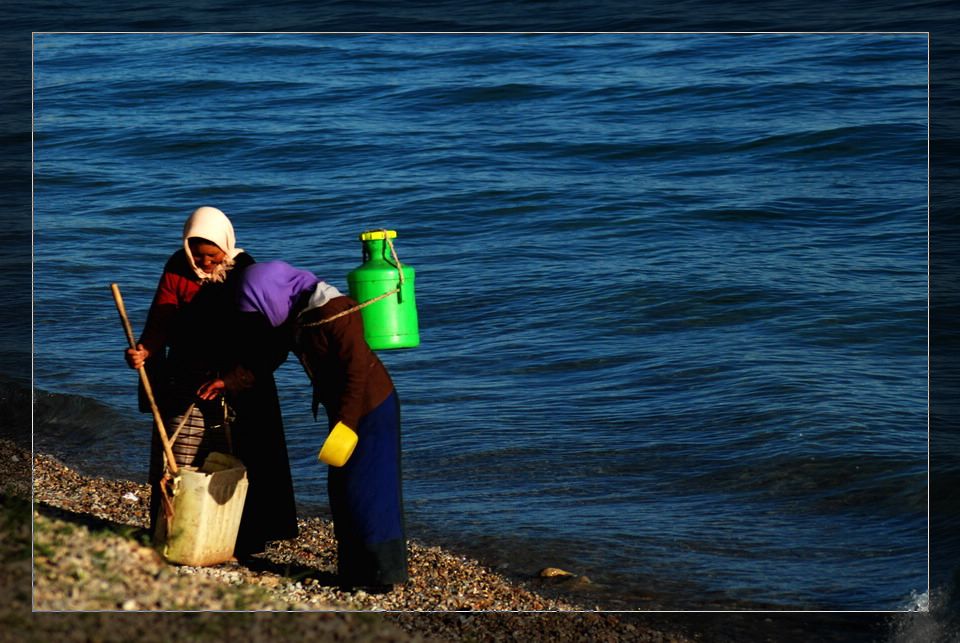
point(166, 493)
point(396, 259)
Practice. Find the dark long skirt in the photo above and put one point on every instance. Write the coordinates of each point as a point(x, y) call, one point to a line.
point(270, 511)
point(367, 504)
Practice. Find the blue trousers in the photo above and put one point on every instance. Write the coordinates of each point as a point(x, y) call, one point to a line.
point(367, 503)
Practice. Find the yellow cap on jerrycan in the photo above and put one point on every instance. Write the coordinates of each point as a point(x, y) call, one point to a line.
point(390, 322)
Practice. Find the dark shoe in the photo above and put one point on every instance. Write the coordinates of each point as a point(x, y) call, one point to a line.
point(247, 558)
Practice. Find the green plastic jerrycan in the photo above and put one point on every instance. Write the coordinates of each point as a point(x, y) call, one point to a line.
point(390, 322)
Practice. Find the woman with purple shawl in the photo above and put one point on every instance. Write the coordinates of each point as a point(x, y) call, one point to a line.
point(290, 308)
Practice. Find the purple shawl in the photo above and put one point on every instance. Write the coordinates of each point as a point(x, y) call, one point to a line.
point(272, 288)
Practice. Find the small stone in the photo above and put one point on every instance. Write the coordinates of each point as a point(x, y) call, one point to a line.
point(130, 605)
point(553, 572)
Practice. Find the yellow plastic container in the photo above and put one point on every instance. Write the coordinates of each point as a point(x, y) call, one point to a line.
point(339, 445)
point(207, 505)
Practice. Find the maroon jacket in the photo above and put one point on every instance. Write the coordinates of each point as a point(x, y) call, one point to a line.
point(348, 377)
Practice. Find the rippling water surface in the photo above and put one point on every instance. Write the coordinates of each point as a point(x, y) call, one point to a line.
point(672, 287)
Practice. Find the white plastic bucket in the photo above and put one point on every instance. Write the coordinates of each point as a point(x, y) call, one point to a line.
point(207, 505)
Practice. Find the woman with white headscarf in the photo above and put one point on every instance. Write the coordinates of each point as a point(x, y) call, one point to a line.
point(189, 340)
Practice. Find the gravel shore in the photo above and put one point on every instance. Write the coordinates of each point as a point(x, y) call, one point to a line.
point(91, 553)
point(89, 574)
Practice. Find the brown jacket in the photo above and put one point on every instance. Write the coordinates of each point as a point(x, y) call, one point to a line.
point(348, 377)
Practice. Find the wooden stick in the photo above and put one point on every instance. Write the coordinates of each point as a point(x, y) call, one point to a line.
point(171, 461)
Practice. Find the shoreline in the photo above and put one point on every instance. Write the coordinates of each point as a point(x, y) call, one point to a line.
point(61, 493)
point(90, 553)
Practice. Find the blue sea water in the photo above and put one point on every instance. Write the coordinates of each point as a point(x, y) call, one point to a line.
point(672, 287)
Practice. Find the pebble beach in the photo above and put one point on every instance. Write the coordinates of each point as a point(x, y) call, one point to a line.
point(92, 553)
point(94, 571)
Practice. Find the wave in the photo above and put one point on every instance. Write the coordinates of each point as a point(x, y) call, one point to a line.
point(89, 435)
point(892, 137)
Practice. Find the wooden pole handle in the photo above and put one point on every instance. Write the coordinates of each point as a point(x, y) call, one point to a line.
point(171, 461)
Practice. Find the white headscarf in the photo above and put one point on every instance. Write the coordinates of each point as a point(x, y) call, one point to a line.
point(214, 226)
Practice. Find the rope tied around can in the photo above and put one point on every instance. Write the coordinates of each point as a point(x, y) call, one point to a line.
point(354, 309)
